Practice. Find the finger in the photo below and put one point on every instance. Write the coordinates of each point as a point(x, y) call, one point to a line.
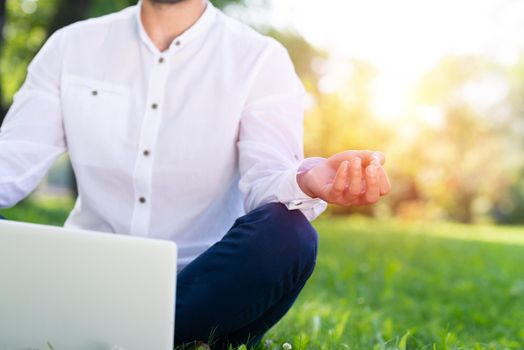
point(340, 181)
point(369, 156)
point(383, 180)
point(373, 188)
point(366, 156)
point(377, 160)
point(355, 177)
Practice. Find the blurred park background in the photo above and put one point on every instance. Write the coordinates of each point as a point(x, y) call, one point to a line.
point(436, 85)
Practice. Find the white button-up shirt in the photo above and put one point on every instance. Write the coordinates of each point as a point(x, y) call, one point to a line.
point(171, 145)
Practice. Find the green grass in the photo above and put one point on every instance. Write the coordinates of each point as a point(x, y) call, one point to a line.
point(389, 285)
point(52, 211)
point(394, 285)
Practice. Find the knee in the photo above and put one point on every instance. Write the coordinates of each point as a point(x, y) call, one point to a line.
point(289, 227)
point(286, 237)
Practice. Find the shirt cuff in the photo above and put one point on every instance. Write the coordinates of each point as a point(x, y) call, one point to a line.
point(292, 196)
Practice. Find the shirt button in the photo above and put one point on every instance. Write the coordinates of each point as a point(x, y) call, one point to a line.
point(177, 43)
point(142, 200)
point(146, 153)
point(94, 92)
point(161, 60)
point(154, 106)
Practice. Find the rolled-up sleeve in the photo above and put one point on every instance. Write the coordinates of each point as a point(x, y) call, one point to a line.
point(271, 137)
point(32, 135)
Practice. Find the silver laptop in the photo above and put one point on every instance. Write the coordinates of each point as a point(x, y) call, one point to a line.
point(67, 289)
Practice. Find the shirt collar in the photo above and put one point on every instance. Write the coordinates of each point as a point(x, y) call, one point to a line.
point(200, 26)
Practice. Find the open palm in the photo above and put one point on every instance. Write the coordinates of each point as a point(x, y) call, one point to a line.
point(348, 178)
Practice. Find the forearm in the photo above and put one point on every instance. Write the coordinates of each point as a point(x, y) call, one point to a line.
point(23, 165)
point(280, 186)
point(32, 134)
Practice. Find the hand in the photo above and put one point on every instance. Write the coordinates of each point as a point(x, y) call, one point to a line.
point(347, 178)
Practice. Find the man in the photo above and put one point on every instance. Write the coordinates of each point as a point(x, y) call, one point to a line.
point(178, 120)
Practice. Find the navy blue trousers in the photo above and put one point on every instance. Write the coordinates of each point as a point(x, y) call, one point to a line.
point(245, 283)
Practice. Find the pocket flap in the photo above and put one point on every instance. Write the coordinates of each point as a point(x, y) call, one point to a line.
point(96, 85)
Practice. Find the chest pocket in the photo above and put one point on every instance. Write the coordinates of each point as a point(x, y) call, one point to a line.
point(96, 119)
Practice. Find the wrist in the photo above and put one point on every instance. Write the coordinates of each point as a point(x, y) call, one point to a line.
point(302, 180)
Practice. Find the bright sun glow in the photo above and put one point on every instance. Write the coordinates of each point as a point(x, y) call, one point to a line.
point(390, 96)
point(404, 38)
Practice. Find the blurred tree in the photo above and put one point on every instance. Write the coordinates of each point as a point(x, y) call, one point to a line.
point(221, 4)
point(509, 209)
point(516, 78)
point(67, 12)
point(338, 119)
point(303, 55)
point(2, 20)
point(102, 7)
point(24, 32)
point(455, 160)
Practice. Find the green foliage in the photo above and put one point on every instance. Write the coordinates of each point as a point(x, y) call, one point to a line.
point(25, 31)
point(224, 3)
point(102, 7)
point(509, 208)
